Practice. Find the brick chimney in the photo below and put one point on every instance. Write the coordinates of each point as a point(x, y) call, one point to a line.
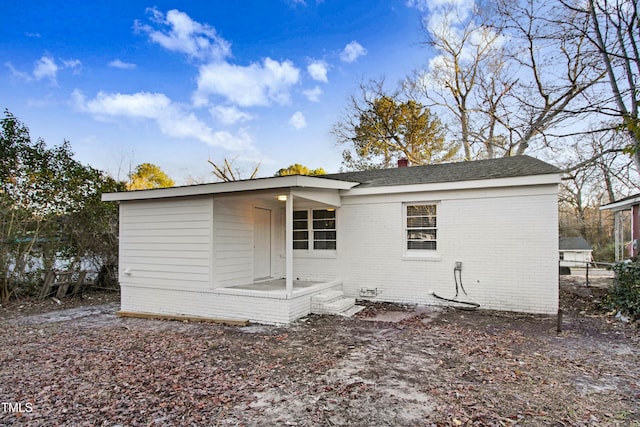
point(403, 163)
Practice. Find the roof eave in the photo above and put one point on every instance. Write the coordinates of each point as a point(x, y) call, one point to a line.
point(546, 179)
point(275, 183)
point(622, 205)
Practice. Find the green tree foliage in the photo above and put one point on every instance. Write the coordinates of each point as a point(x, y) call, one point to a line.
point(298, 169)
point(381, 129)
point(49, 207)
point(624, 295)
point(147, 176)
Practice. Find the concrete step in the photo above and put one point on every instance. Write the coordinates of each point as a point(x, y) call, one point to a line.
point(327, 297)
point(352, 311)
point(320, 302)
point(335, 307)
point(340, 305)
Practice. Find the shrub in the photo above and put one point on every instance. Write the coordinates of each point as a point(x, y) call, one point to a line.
point(604, 253)
point(624, 294)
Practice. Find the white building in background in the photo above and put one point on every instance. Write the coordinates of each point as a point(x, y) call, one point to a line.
point(574, 252)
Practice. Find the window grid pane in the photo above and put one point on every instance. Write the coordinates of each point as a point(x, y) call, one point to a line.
point(321, 222)
point(301, 245)
point(300, 230)
point(324, 214)
point(300, 215)
point(324, 224)
point(327, 244)
point(300, 235)
point(324, 235)
point(421, 231)
point(325, 221)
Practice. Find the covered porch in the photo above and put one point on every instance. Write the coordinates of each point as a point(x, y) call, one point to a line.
point(626, 214)
point(264, 245)
point(290, 228)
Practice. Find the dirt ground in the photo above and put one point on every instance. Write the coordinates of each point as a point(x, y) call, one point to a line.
point(389, 365)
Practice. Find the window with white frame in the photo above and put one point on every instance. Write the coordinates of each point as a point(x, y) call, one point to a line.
point(421, 227)
point(314, 225)
point(301, 230)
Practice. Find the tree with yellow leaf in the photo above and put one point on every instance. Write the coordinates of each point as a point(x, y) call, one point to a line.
point(147, 176)
point(298, 169)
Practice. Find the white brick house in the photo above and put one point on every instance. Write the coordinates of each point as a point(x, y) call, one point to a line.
point(262, 250)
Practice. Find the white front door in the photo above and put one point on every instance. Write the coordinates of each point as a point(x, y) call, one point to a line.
point(261, 243)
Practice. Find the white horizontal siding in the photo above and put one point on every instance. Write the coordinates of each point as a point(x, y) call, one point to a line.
point(137, 226)
point(127, 253)
point(137, 231)
point(234, 234)
point(233, 237)
point(169, 207)
point(161, 261)
point(160, 219)
point(183, 268)
point(166, 243)
point(170, 240)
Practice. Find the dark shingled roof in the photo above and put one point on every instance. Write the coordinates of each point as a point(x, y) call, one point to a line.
point(574, 243)
point(506, 167)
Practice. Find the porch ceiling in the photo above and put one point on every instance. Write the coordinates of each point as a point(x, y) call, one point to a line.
point(326, 197)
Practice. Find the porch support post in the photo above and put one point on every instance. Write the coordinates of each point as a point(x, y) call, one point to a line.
point(635, 230)
point(618, 232)
point(288, 241)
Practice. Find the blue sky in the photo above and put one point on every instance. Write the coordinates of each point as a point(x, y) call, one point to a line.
point(177, 83)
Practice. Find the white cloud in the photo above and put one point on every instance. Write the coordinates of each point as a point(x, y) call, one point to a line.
point(182, 34)
point(313, 94)
point(73, 64)
point(298, 121)
point(443, 15)
point(352, 52)
point(426, 5)
point(138, 105)
point(17, 73)
point(46, 68)
point(318, 70)
point(256, 84)
point(229, 115)
point(234, 142)
point(302, 2)
point(172, 119)
point(117, 63)
point(421, 5)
